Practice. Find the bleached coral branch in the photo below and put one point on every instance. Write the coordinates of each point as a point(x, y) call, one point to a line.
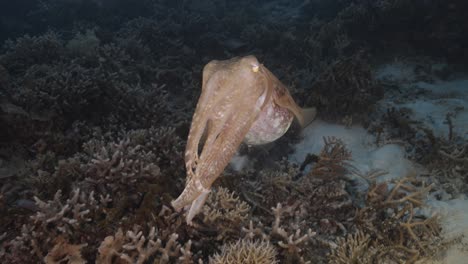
point(136, 248)
point(66, 215)
point(290, 242)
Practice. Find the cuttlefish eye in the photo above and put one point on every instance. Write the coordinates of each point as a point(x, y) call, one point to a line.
point(255, 67)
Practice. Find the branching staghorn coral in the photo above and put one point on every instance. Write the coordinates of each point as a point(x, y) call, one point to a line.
point(355, 248)
point(65, 252)
point(346, 87)
point(134, 247)
point(333, 160)
point(121, 164)
point(27, 51)
point(324, 188)
point(66, 217)
point(290, 239)
point(246, 251)
point(389, 217)
point(290, 242)
point(450, 166)
point(53, 228)
point(269, 186)
point(322, 204)
point(106, 168)
point(225, 212)
point(99, 83)
point(124, 164)
point(134, 95)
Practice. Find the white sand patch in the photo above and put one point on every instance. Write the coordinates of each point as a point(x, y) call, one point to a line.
point(366, 156)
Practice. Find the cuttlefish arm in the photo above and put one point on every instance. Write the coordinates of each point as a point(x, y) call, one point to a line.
point(234, 92)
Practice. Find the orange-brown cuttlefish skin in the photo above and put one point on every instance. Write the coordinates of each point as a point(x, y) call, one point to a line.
point(241, 100)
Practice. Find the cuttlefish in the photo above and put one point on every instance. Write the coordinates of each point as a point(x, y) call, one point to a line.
point(241, 101)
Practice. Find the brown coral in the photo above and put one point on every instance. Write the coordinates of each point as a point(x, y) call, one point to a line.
point(225, 205)
point(355, 248)
point(389, 217)
point(333, 160)
point(63, 251)
point(246, 251)
point(347, 87)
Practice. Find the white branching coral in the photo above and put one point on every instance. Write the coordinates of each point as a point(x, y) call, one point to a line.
point(66, 216)
point(290, 242)
point(140, 248)
point(290, 239)
point(246, 251)
point(136, 248)
point(138, 156)
point(118, 160)
point(47, 237)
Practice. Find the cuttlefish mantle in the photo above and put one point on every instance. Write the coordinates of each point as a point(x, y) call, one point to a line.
point(241, 100)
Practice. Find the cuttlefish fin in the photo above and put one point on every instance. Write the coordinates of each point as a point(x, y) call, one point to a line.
point(283, 98)
point(303, 115)
point(308, 115)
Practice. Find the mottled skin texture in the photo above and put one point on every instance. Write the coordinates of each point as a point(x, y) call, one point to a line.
point(272, 122)
point(240, 99)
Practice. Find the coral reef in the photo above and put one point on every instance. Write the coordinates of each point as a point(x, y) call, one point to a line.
point(54, 226)
point(332, 160)
point(354, 248)
point(390, 217)
point(450, 167)
point(134, 247)
point(96, 98)
point(225, 213)
point(345, 88)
